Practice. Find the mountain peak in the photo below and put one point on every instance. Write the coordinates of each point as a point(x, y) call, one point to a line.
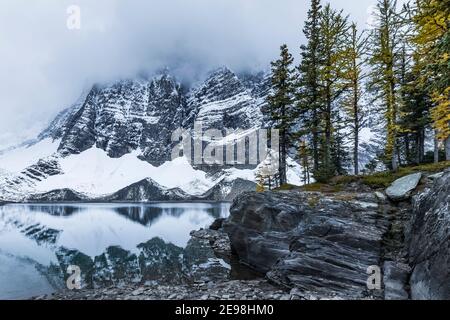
point(221, 84)
point(131, 114)
point(222, 70)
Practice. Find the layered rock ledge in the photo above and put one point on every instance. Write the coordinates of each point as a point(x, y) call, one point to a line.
point(428, 239)
point(317, 244)
point(325, 245)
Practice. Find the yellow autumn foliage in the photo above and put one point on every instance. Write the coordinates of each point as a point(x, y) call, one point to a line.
point(441, 114)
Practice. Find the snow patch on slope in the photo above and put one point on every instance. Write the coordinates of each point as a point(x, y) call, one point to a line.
point(94, 172)
point(18, 159)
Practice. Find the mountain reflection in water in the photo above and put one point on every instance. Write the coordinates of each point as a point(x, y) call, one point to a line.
point(110, 242)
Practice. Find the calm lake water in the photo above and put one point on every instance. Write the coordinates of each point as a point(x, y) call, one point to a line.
point(37, 239)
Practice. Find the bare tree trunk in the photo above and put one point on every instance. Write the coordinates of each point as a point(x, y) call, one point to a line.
point(422, 146)
point(283, 158)
point(394, 159)
point(305, 178)
point(436, 148)
point(447, 148)
point(315, 142)
point(407, 149)
point(417, 155)
point(356, 146)
point(309, 179)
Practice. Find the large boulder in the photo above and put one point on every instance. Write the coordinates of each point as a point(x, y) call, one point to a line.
point(259, 227)
point(401, 188)
point(428, 239)
point(317, 244)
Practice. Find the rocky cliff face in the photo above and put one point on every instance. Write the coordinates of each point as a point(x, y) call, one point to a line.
point(143, 114)
point(318, 245)
point(429, 242)
point(223, 101)
point(326, 246)
point(126, 116)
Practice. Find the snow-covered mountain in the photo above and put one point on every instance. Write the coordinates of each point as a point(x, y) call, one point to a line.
point(115, 142)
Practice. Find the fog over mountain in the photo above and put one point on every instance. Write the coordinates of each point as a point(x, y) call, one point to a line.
point(44, 66)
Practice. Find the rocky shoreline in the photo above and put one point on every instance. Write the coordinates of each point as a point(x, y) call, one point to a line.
point(309, 246)
point(228, 290)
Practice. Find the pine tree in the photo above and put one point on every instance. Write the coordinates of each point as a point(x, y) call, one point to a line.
point(333, 32)
point(441, 118)
point(353, 76)
point(339, 155)
point(308, 90)
point(319, 86)
point(414, 110)
point(281, 105)
point(304, 157)
point(432, 21)
point(385, 44)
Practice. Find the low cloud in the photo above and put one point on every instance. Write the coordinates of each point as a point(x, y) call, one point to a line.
point(44, 66)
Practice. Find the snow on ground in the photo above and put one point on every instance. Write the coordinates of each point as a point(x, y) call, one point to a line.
point(294, 173)
point(245, 174)
point(18, 159)
point(93, 172)
point(294, 169)
point(366, 135)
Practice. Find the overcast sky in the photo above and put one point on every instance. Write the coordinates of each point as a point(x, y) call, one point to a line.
point(44, 66)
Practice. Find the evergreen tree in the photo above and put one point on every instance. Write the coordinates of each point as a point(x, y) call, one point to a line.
point(414, 111)
point(308, 90)
point(432, 22)
point(353, 76)
point(304, 157)
point(441, 118)
point(320, 85)
point(332, 35)
point(281, 105)
point(339, 155)
point(385, 45)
